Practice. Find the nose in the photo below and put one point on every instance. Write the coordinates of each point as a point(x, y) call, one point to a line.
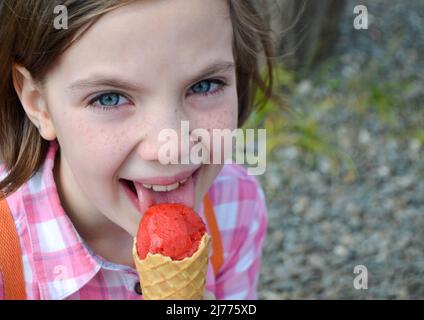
point(164, 131)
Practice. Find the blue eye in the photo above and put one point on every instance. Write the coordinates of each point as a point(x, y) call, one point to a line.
point(203, 87)
point(108, 101)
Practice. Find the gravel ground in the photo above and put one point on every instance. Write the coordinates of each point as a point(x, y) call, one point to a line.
point(322, 225)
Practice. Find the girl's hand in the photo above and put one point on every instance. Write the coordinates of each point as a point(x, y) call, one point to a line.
point(208, 295)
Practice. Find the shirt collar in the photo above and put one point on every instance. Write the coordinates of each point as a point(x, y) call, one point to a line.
point(63, 263)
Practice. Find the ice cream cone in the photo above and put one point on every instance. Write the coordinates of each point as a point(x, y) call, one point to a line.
point(162, 278)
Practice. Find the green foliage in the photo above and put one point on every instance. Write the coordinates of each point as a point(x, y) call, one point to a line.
point(294, 127)
point(363, 92)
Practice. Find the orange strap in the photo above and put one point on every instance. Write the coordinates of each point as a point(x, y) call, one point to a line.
point(217, 256)
point(10, 256)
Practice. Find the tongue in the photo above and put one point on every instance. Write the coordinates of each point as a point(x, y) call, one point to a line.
point(184, 195)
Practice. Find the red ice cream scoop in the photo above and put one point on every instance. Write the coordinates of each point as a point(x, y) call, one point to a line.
point(171, 229)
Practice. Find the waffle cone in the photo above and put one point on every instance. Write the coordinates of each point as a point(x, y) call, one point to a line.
point(162, 278)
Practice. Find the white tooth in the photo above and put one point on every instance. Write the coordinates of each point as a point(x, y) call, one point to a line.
point(148, 186)
point(159, 188)
point(172, 186)
point(182, 181)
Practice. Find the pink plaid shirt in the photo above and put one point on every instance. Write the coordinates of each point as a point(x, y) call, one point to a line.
point(59, 265)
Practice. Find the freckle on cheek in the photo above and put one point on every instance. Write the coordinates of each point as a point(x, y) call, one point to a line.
point(222, 121)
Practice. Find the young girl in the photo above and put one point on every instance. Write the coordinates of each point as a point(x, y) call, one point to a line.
point(80, 112)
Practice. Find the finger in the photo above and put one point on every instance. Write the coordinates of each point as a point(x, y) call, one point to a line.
point(208, 295)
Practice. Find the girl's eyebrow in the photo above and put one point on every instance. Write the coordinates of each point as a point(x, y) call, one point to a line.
point(216, 67)
point(105, 80)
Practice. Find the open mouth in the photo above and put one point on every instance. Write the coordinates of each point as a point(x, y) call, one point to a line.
point(130, 185)
point(165, 188)
point(144, 195)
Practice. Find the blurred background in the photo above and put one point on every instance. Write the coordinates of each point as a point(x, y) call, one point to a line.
point(345, 166)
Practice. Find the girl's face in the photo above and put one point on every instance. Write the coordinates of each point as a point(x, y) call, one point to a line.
point(138, 70)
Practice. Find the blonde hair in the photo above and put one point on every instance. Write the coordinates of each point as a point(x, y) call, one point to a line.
point(29, 39)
